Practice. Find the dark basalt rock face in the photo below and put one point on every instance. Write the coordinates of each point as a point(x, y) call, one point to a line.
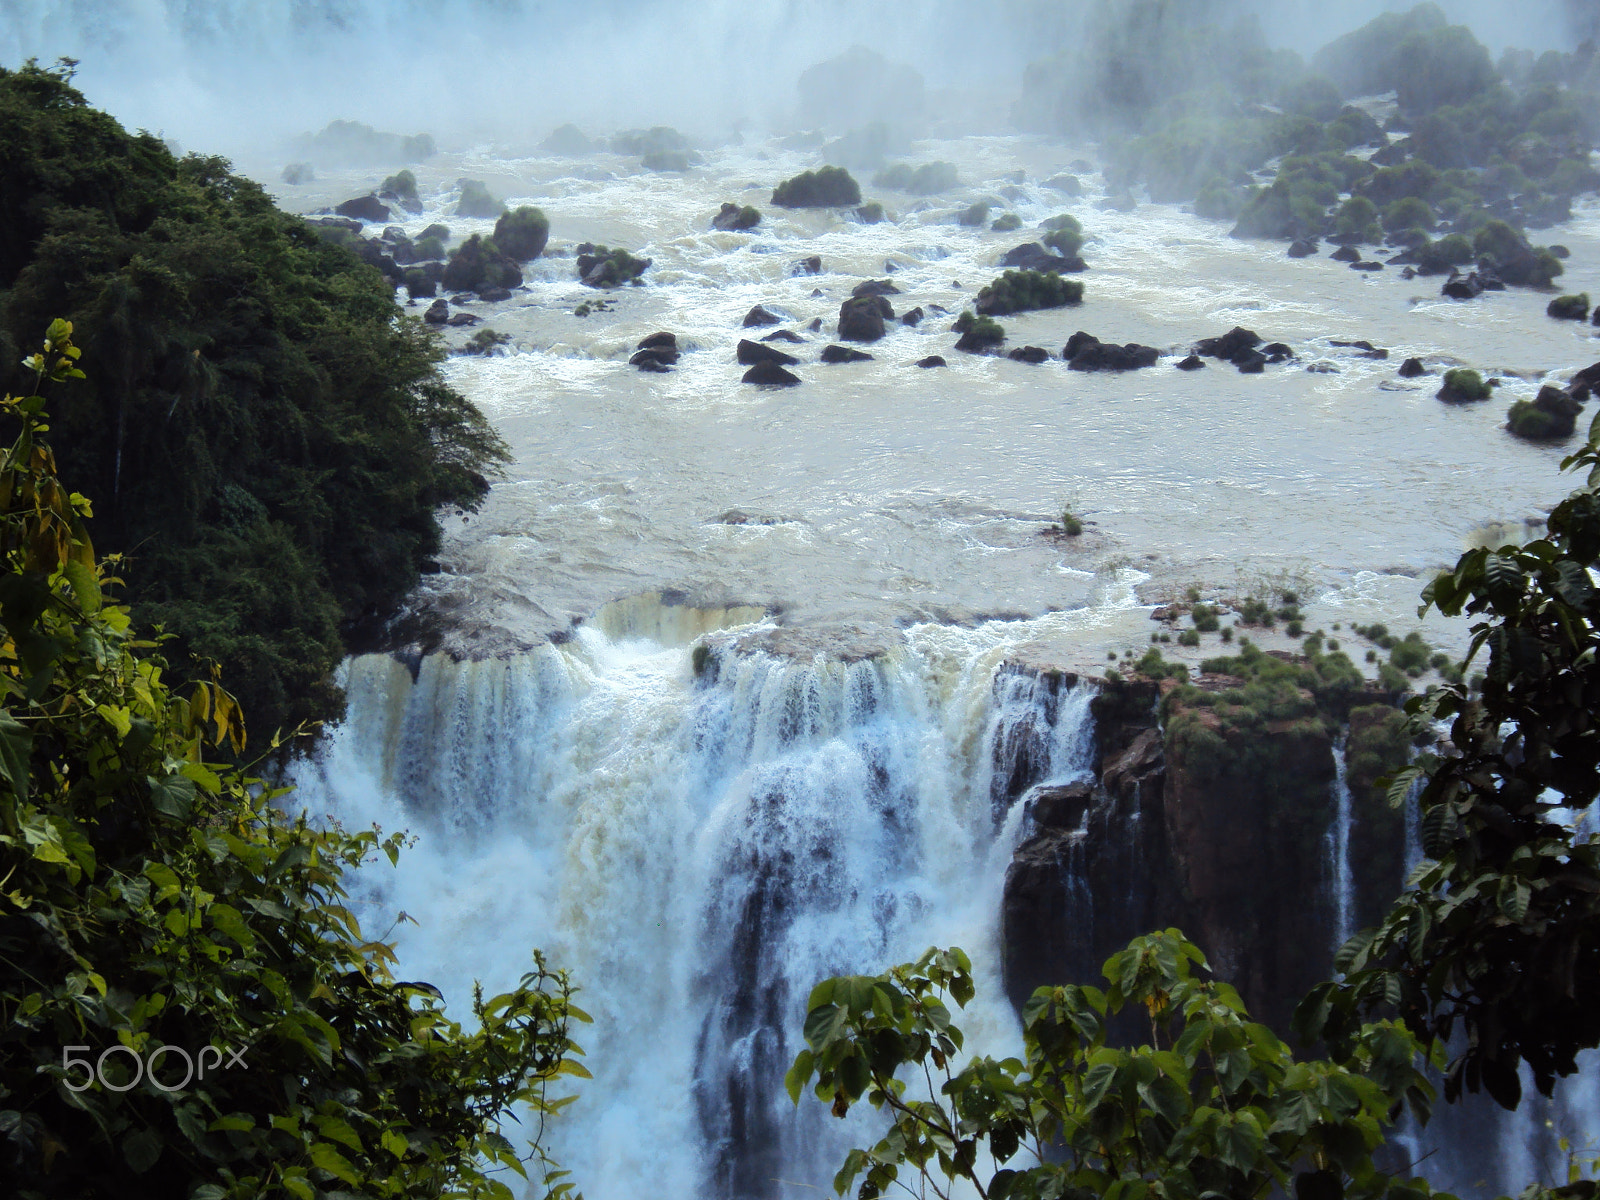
point(658, 352)
point(770, 374)
point(760, 316)
point(750, 353)
point(933, 360)
point(874, 287)
point(844, 354)
point(438, 312)
point(1411, 368)
point(1193, 363)
point(1346, 254)
point(1085, 352)
point(912, 316)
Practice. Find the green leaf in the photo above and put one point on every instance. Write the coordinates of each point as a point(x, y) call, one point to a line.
point(85, 587)
point(172, 796)
point(823, 1025)
point(799, 1074)
point(330, 1160)
point(142, 1148)
point(16, 747)
point(229, 920)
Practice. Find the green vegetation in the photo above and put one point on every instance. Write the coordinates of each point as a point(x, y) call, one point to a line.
point(1006, 223)
point(1189, 637)
point(1212, 1105)
point(486, 341)
point(1463, 384)
point(268, 437)
point(477, 265)
point(427, 249)
point(1205, 617)
point(979, 335)
point(1063, 234)
point(168, 908)
point(522, 233)
point(1551, 415)
point(871, 212)
point(826, 187)
point(1070, 524)
point(1437, 258)
point(974, 214)
point(603, 267)
point(1408, 212)
point(1324, 684)
point(928, 179)
point(1022, 291)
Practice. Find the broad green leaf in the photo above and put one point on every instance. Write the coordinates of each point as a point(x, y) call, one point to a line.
point(16, 746)
point(825, 1024)
point(330, 1160)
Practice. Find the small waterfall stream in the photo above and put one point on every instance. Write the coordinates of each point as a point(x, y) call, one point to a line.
point(1338, 842)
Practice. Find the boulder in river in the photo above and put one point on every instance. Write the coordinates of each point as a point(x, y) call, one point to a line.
point(861, 318)
point(749, 353)
point(782, 335)
point(844, 354)
point(733, 217)
point(1032, 256)
point(807, 266)
point(826, 187)
point(659, 341)
point(912, 316)
point(1411, 368)
point(364, 208)
point(438, 312)
point(875, 287)
point(1193, 363)
point(1085, 352)
point(770, 374)
point(1550, 416)
point(1028, 354)
point(1302, 248)
point(760, 316)
point(476, 201)
point(1230, 346)
point(1346, 254)
point(659, 361)
point(933, 360)
point(522, 234)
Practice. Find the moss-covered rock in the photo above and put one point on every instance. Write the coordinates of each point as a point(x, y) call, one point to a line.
point(476, 201)
point(641, 143)
point(1510, 255)
point(979, 335)
point(1022, 291)
point(1463, 385)
point(603, 267)
point(734, 217)
point(477, 265)
point(1569, 308)
point(871, 213)
point(1552, 415)
point(826, 187)
point(1441, 256)
point(974, 214)
point(1006, 223)
point(861, 318)
point(522, 233)
point(1063, 234)
point(567, 140)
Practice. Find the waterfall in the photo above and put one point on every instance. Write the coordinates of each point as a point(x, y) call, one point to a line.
point(699, 837)
point(1338, 843)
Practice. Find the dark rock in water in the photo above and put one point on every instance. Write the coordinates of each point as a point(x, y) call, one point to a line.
point(1251, 362)
point(1360, 345)
point(911, 316)
point(332, 228)
point(1553, 415)
point(1304, 248)
point(1322, 367)
point(875, 287)
point(464, 318)
point(1029, 354)
point(1193, 363)
point(816, 324)
point(1411, 368)
point(438, 313)
point(659, 341)
point(771, 374)
point(807, 266)
point(494, 295)
point(816, 293)
point(364, 208)
point(826, 187)
point(1032, 256)
point(889, 268)
point(933, 360)
point(1085, 352)
point(1346, 254)
point(420, 284)
point(1463, 287)
point(476, 265)
point(1366, 266)
point(1559, 250)
point(476, 201)
point(1229, 346)
point(734, 217)
point(1569, 308)
point(654, 360)
point(297, 173)
point(568, 141)
point(1277, 352)
point(749, 353)
point(871, 214)
point(522, 234)
point(760, 316)
point(844, 354)
point(782, 335)
point(861, 318)
point(1585, 381)
point(1409, 273)
point(1123, 202)
point(1066, 184)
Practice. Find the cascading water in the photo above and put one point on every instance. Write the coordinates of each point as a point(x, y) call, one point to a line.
point(699, 838)
point(1338, 842)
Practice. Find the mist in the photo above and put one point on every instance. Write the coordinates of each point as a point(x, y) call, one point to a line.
point(238, 77)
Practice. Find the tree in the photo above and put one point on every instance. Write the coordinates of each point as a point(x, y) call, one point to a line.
point(1213, 1105)
point(1497, 944)
point(187, 1006)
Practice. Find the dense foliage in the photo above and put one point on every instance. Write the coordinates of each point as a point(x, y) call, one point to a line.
point(1497, 945)
point(1023, 291)
point(187, 1008)
point(1213, 1105)
point(267, 436)
point(826, 187)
